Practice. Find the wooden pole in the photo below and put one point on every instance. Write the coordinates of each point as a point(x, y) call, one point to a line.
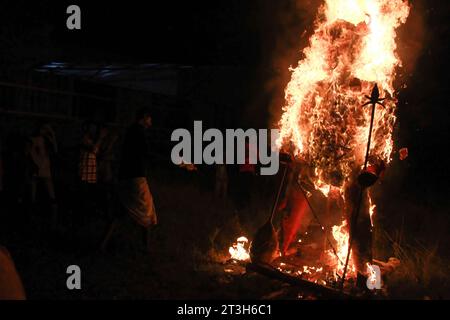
point(374, 99)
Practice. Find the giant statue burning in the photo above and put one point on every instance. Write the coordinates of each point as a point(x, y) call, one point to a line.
point(325, 124)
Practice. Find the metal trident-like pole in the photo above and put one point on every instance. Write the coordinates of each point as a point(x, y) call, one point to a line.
point(374, 99)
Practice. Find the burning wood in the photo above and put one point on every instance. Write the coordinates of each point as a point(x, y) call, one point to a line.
point(352, 52)
point(319, 290)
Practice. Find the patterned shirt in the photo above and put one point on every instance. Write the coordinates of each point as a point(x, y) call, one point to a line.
point(88, 161)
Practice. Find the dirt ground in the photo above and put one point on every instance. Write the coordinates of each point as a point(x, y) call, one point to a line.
point(189, 247)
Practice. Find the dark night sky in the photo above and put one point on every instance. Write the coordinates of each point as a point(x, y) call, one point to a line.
point(192, 32)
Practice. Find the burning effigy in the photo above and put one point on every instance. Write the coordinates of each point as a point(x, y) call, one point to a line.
point(337, 125)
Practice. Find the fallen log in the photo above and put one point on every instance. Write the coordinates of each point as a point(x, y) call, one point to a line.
point(322, 291)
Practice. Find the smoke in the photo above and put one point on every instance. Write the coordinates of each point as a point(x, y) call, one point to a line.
point(295, 24)
point(283, 29)
point(411, 38)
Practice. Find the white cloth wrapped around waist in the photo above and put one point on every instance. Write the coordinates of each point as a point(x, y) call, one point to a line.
point(137, 199)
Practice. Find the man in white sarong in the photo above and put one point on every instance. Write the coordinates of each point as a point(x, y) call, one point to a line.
point(134, 191)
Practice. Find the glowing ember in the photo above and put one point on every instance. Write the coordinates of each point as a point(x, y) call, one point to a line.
point(352, 49)
point(311, 270)
point(306, 270)
point(239, 250)
point(403, 153)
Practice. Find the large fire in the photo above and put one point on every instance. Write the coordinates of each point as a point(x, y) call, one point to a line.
point(352, 48)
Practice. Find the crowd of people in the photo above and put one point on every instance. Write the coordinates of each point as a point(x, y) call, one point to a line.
point(27, 183)
point(31, 178)
point(39, 176)
point(58, 190)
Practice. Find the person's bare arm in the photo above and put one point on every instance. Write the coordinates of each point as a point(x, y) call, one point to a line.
point(49, 134)
point(89, 143)
point(11, 287)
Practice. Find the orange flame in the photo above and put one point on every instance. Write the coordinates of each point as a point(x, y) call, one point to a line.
point(239, 250)
point(352, 48)
point(372, 207)
point(340, 234)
